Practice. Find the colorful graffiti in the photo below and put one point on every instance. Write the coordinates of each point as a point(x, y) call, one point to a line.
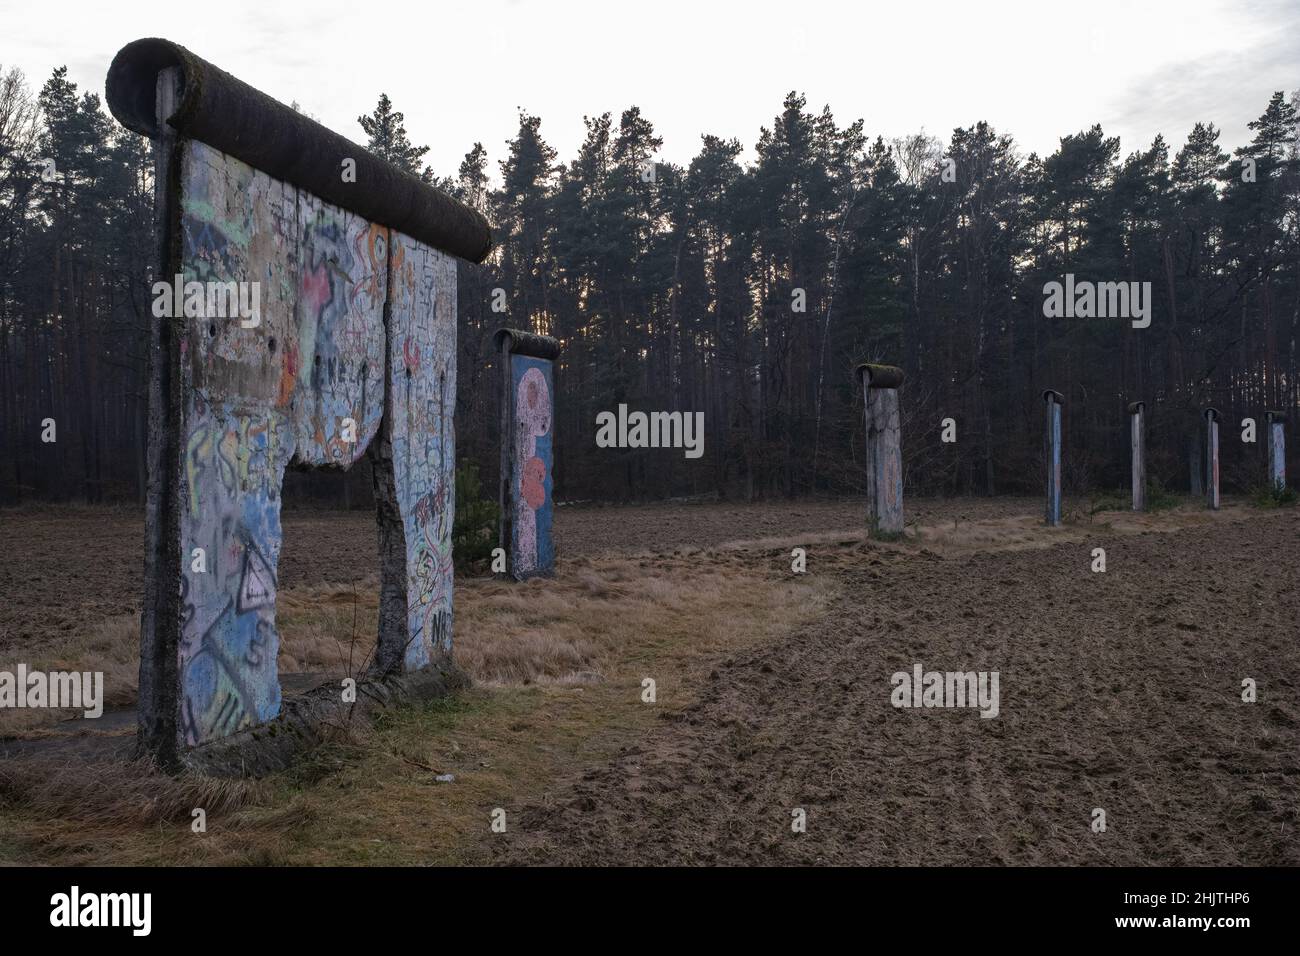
point(308, 383)
point(230, 532)
point(422, 380)
point(532, 550)
point(342, 286)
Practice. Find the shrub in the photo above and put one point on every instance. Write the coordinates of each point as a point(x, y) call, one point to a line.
point(1271, 496)
point(474, 533)
point(1160, 498)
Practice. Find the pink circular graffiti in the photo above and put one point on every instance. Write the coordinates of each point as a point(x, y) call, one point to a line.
point(533, 408)
point(533, 483)
point(532, 419)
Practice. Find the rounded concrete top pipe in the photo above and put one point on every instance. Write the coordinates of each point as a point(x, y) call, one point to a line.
point(527, 343)
point(1212, 414)
point(880, 376)
point(1275, 416)
point(233, 117)
point(1051, 395)
point(1135, 407)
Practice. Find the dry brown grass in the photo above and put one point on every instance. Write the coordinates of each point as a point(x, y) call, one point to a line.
point(574, 628)
point(126, 813)
point(111, 646)
point(328, 629)
point(959, 536)
point(565, 630)
point(119, 793)
point(558, 663)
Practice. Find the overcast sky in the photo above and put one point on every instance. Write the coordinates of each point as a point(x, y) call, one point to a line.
point(459, 71)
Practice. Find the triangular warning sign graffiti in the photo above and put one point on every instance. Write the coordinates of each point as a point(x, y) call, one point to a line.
point(257, 588)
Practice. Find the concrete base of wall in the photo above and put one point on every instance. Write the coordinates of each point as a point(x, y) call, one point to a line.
point(316, 717)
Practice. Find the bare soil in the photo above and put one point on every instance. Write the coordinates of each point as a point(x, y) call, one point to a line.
point(1119, 690)
point(60, 567)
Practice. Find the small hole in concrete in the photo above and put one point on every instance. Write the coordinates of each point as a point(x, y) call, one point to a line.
point(270, 344)
point(212, 330)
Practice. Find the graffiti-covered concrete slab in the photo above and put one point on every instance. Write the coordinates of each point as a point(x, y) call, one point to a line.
point(528, 418)
point(293, 325)
point(300, 381)
point(421, 436)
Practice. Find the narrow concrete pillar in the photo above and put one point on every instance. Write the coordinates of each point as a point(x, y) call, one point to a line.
point(160, 618)
point(880, 384)
point(1276, 449)
point(1052, 436)
point(413, 456)
point(1212, 458)
point(1137, 439)
point(528, 454)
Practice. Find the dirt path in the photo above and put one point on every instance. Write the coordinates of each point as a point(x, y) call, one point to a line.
point(1119, 691)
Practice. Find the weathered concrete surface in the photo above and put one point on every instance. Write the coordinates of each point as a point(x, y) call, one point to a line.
point(213, 107)
point(237, 437)
point(160, 607)
point(528, 415)
point(1052, 445)
point(1276, 423)
point(316, 717)
point(338, 356)
point(1212, 499)
point(884, 449)
point(349, 340)
point(307, 383)
point(1138, 453)
point(418, 458)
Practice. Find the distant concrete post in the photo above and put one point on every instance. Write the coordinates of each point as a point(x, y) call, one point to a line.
point(1212, 458)
point(1137, 439)
point(528, 455)
point(1276, 450)
point(1053, 400)
point(880, 384)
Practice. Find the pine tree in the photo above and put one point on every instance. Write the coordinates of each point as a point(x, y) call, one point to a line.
point(388, 140)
